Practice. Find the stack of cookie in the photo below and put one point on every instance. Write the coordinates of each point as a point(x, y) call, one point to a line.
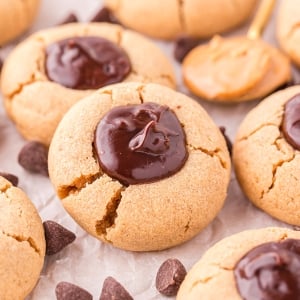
point(142, 167)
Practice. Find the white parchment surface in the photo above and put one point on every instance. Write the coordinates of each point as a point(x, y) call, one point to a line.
point(87, 262)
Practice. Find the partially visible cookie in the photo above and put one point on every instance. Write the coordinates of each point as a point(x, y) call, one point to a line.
point(253, 264)
point(167, 19)
point(266, 155)
point(15, 17)
point(22, 243)
point(65, 63)
point(139, 166)
point(288, 30)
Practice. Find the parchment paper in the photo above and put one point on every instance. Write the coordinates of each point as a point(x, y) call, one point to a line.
point(87, 262)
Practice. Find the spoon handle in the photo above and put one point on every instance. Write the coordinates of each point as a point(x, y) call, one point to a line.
point(260, 19)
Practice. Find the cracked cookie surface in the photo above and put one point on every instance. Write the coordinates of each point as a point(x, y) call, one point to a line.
point(169, 18)
point(36, 104)
point(288, 29)
point(15, 17)
point(22, 243)
point(213, 275)
point(266, 164)
point(148, 216)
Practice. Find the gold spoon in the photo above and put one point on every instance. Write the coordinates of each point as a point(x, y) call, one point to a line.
point(237, 69)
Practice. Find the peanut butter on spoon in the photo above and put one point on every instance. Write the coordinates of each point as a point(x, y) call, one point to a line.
point(237, 69)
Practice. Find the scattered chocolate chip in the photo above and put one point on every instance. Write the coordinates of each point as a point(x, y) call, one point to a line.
point(1, 64)
point(170, 276)
point(183, 45)
point(10, 177)
point(68, 291)
point(71, 18)
point(228, 142)
point(33, 157)
point(112, 289)
point(104, 15)
point(57, 237)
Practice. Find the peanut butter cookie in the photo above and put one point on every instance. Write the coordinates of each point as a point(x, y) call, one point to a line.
point(140, 166)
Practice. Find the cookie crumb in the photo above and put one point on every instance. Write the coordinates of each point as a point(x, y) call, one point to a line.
point(71, 18)
point(33, 157)
point(57, 237)
point(183, 45)
point(112, 289)
point(10, 177)
point(228, 141)
point(68, 291)
point(169, 277)
point(105, 15)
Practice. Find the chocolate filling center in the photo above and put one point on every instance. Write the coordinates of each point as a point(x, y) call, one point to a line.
point(291, 122)
point(270, 271)
point(86, 63)
point(140, 143)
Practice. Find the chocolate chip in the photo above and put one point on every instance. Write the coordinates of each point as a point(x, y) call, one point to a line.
point(57, 237)
point(183, 45)
point(228, 142)
point(10, 177)
point(1, 64)
point(71, 18)
point(33, 157)
point(170, 276)
point(105, 15)
point(68, 291)
point(112, 289)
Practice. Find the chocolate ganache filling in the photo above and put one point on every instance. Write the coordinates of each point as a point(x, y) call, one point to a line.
point(140, 143)
point(291, 122)
point(86, 63)
point(270, 271)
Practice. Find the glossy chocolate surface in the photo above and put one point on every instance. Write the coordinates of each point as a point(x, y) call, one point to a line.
point(140, 143)
point(270, 271)
point(291, 122)
point(86, 63)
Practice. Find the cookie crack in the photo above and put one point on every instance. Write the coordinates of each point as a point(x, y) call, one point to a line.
point(119, 37)
point(108, 220)
point(275, 169)
point(140, 91)
point(34, 77)
point(209, 278)
point(187, 226)
point(22, 239)
point(212, 153)
point(201, 281)
point(78, 184)
point(283, 237)
point(181, 16)
point(244, 138)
